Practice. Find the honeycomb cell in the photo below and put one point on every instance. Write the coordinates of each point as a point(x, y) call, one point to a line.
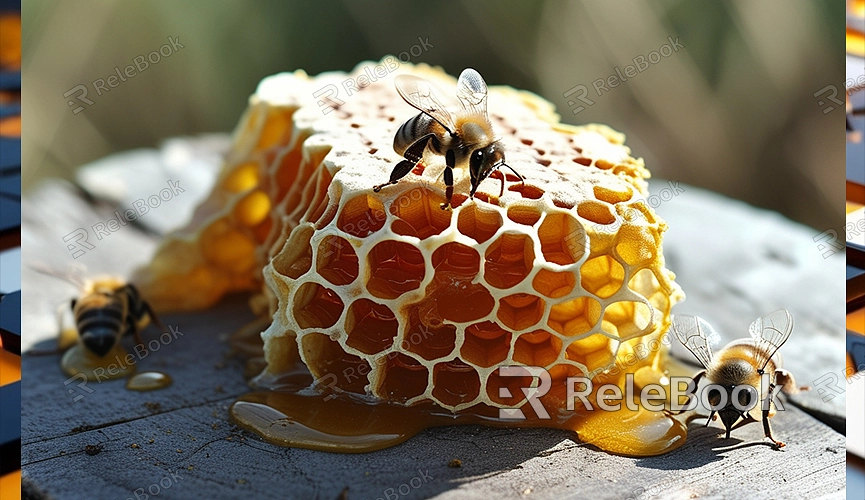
point(520, 311)
point(508, 389)
point(277, 128)
point(509, 259)
point(538, 348)
point(602, 276)
point(227, 248)
point(404, 378)
point(574, 317)
point(451, 295)
point(455, 383)
point(554, 284)
point(478, 222)
point(456, 259)
point(371, 327)
point(604, 164)
point(329, 212)
point(253, 208)
point(242, 177)
point(485, 344)
point(316, 306)
point(418, 214)
point(630, 319)
point(612, 195)
point(361, 216)
point(296, 257)
point(597, 212)
point(562, 238)
point(527, 191)
point(287, 171)
point(336, 260)
point(524, 214)
point(429, 342)
point(395, 267)
point(646, 284)
point(332, 366)
point(557, 396)
point(637, 245)
point(601, 359)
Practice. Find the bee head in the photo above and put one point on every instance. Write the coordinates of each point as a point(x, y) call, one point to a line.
point(483, 161)
point(739, 400)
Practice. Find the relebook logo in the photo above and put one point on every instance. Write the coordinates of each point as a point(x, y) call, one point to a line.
point(653, 397)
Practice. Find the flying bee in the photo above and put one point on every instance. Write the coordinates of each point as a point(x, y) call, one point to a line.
point(464, 137)
point(739, 368)
point(107, 310)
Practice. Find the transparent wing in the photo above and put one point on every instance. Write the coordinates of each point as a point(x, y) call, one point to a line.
point(472, 92)
point(697, 335)
point(769, 334)
point(421, 94)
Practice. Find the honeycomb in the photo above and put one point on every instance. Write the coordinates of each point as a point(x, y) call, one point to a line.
point(384, 294)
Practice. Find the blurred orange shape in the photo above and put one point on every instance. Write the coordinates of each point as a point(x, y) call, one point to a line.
point(10, 41)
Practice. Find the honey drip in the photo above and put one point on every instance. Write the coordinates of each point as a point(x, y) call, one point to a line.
point(148, 381)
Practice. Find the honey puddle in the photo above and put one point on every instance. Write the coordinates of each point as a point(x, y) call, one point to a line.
point(79, 360)
point(293, 414)
point(116, 364)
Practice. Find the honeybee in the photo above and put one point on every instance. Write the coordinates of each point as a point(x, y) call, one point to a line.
point(741, 364)
point(107, 309)
point(462, 137)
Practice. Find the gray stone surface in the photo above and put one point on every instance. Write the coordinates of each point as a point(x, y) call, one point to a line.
point(734, 262)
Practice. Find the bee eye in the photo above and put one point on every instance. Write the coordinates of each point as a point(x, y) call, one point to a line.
point(714, 396)
point(476, 159)
point(746, 398)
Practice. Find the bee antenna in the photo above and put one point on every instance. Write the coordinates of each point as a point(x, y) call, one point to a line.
point(503, 164)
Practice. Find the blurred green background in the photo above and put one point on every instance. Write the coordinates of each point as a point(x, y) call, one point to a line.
point(733, 111)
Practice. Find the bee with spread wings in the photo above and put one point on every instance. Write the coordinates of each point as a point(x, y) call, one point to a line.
point(462, 137)
point(738, 368)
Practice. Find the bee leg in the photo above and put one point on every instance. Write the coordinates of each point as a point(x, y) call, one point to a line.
point(712, 418)
point(399, 171)
point(787, 382)
point(413, 155)
point(767, 430)
point(154, 317)
point(695, 381)
point(747, 420)
point(450, 161)
point(136, 334)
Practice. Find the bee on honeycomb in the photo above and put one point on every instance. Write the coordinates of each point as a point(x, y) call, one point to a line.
point(393, 297)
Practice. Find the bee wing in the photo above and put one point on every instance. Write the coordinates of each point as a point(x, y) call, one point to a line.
point(472, 92)
point(421, 95)
point(74, 276)
point(697, 335)
point(769, 334)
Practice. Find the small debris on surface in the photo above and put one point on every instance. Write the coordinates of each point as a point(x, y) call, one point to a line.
point(153, 406)
point(133, 445)
point(455, 463)
point(93, 449)
point(343, 494)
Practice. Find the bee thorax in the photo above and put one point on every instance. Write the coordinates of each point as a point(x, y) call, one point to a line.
point(733, 371)
point(474, 133)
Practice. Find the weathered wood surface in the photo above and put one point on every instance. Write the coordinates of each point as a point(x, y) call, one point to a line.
point(733, 261)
